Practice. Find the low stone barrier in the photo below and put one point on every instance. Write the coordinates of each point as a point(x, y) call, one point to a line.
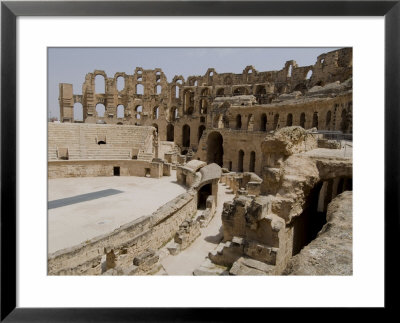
point(127, 242)
point(94, 168)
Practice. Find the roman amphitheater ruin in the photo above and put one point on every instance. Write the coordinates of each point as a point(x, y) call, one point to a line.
point(219, 174)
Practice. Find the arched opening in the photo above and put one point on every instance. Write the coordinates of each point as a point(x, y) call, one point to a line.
point(220, 92)
point(240, 160)
point(176, 91)
point(100, 110)
point(328, 120)
point(300, 87)
point(225, 120)
point(276, 121)
point(261, 94)
point(252, 165)
point(238, 122)
point(303, 120)
point(99, 84)
point(263, 122)
point(205, 92)
point(120, 83)
point(139, 110)
point(155, 125)
point(315, 120)
point(289, 120)
point(289, 74)
point(174, 113)
point(188, 103)
point(344, 123)
point(139, 89)
point(240, 91)
point(215, 150)
point(202, 195)
point(155, 112)
point(310, 222)
point(200, 132)
point(250, 123)
point(309, 74)
point(158, 89)
point(78, 111)
point(185, 136)
point(120, 111)
point(203, 106)
point(170, 132)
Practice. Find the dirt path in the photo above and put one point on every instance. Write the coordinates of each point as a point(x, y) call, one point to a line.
point(192, 257)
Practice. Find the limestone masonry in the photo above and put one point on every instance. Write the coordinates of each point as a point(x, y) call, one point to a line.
point(265, 158)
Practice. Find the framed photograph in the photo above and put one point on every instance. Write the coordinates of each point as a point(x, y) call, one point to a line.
point(243, 110)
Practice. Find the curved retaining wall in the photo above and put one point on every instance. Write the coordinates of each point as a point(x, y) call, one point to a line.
point(131, 239)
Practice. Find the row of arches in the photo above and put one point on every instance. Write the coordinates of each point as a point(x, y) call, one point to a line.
point(215, 153)
point(100, 85)
point(315, 122)
point(186, 136)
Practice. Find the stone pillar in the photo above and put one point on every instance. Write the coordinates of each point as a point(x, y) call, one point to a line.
point(66, 102)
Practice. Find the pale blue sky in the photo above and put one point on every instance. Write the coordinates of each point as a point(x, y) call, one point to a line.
point(70, 65)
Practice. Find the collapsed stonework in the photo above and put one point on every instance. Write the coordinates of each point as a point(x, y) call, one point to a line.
point(277, 140)
point(299, 181)
point(232, 110)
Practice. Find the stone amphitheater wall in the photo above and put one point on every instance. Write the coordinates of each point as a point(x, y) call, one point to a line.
point(129, 240)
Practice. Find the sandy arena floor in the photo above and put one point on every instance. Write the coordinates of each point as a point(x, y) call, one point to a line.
point(83, 208)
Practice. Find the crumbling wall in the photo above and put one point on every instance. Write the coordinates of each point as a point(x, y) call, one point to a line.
point(127, 242)
point(192, 102)
point(331, 252)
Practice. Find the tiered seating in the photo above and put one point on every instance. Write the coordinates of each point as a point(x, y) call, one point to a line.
point(82, 141)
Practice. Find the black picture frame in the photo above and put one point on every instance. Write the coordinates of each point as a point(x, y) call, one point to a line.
point(10, 10)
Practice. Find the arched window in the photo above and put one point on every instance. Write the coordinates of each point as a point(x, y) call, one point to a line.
point(309, 74)
point(120, 111)
point(99, 84)
point(315, 120)
point(170, 132)
point(250, 123)
point(200, 132)
point(238, 122)
point(100, 110)
point(289, 120)
point(175, 91)
point(78, 111)
point(252, 165)
point(139, 110)
point(158, 89)
point(120, 83)
point(240, 160)
point(303, 120)
point(155, 112)
point(328, 120)
point(185, 136)
point(139, 89)
point(203, 106)
point(263, 122)
point(174, 113)
point(220, 92)
point(276, 121)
